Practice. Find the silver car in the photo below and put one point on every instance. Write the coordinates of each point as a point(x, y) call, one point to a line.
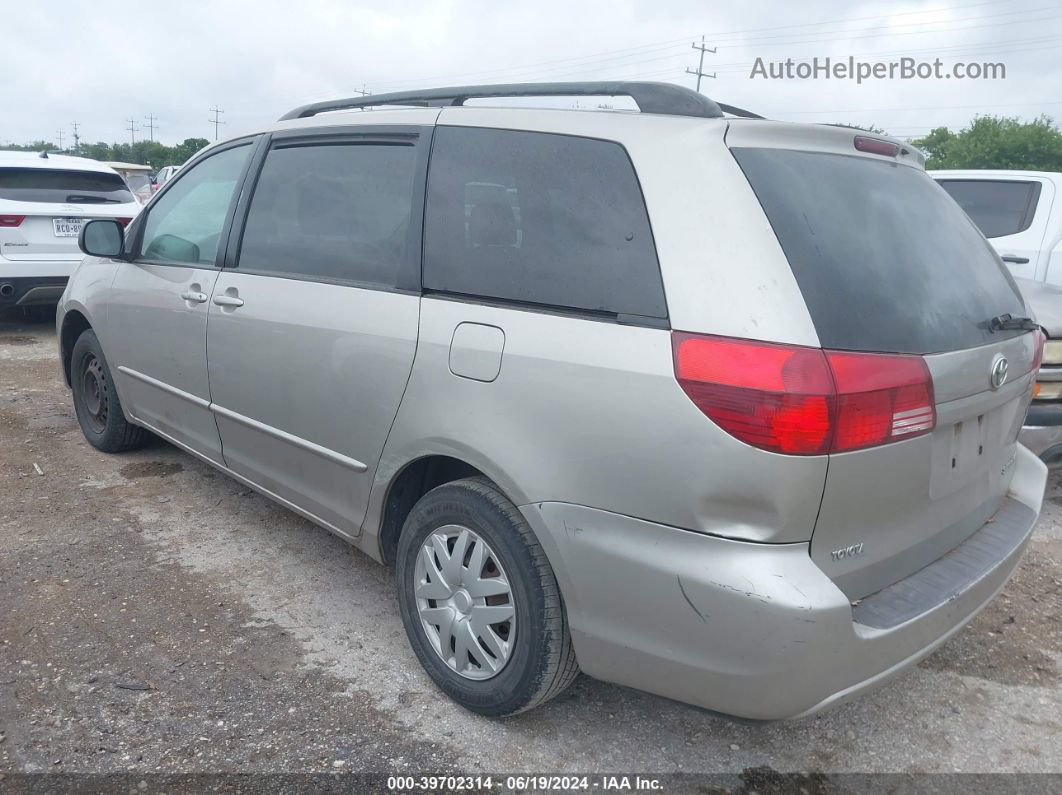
point(717, 407)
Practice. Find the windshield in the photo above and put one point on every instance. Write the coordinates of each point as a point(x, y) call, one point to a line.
point(885, 259)
point(63, 187)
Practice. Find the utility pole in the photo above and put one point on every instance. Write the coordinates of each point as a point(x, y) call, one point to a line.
point(216, 120)
point(151, 126)
point(77, 139)
point(60, 131)
point(133, 129)
point(363, 92)
point(700, 66)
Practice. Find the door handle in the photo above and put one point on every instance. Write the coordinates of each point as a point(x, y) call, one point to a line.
point(228, 300)
point(194, 297)
point(1014, 259)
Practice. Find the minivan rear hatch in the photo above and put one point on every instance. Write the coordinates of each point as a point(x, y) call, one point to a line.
point(888, 263)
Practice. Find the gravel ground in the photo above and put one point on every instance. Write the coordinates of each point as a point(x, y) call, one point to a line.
point(156, 616)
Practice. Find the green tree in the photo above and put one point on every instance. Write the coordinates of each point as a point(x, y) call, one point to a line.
point(150, 153)
point(935, 146)
point(996, 142)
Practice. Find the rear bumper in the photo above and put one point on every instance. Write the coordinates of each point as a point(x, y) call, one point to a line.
point(753, 630)
point(31, 290)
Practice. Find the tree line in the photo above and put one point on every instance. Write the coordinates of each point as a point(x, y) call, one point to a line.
point(151, 153)
point(986, 142)
point(995, 142)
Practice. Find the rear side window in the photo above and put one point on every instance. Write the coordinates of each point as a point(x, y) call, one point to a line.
point(538, 218)
point(62, 187)
point(885, 260)
point(332, 211)
point(998, 208)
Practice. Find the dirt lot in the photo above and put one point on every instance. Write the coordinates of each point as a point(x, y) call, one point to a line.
point(158, 616)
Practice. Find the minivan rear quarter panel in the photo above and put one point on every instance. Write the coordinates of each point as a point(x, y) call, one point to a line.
point(589, 412)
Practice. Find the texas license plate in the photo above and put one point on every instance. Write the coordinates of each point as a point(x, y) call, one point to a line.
point(67, 227)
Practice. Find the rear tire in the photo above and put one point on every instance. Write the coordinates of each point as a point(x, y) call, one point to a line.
point(99, 412)
point(512, 665)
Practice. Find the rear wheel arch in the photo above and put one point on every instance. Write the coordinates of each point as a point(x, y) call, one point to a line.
point(75, 323)
point(408, 485)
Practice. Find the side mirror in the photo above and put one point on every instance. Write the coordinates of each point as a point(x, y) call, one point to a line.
point(102, 238)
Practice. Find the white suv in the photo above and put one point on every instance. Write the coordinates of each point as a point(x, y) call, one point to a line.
point(44, 201)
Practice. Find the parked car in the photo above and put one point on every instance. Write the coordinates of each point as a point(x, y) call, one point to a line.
point(45, 200)
point(165, 175)
point(1042, 432)
point(725, 409)
point(1017, 212)
point(137, 177)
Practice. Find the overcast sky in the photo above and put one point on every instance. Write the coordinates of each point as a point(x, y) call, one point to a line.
point(101, 63)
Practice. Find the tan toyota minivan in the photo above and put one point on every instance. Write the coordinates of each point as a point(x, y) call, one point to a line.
point(713, 406)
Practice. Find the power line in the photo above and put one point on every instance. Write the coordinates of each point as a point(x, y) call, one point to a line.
point(720, 34)
point(634, 51)
point(133, 129)
point(151, 125)
point(841, 35)
point(950, 51)
point(829, 37)
point(671, 43)
point(700, 64)
point(216, 120)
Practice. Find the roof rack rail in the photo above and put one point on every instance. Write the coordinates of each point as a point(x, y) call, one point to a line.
point(663, 98)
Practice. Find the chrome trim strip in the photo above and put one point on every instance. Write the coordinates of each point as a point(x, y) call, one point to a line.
point(170, 390)
point(248, 482)
point(297, 441)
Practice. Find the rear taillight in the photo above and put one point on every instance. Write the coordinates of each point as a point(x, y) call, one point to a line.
point(10, 221)
point(881, 398)
point(805, 401)
point(1038, 355)
point(123, 221)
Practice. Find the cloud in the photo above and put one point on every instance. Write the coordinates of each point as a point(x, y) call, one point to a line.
point(103, 63)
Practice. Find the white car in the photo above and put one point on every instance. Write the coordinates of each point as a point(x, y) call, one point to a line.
point(1020, 215)
point(1017, 211)
point(44, 201)
point(165, 174)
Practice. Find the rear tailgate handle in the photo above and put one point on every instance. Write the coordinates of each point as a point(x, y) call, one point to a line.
point(228, 300)
point(194, 297)
point(1014, 259)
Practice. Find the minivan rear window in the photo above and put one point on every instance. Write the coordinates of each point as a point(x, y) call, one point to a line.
point(61, 186)
point(540, 219)
point(885, 259)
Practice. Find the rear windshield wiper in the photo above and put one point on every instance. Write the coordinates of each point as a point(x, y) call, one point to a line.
point(1007, 322)
point(78, 198)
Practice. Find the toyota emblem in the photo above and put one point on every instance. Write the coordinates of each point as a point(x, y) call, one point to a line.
point(1000, 367)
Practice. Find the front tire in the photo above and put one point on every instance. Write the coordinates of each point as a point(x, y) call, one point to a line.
point(480, 603)
point(99, 412)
